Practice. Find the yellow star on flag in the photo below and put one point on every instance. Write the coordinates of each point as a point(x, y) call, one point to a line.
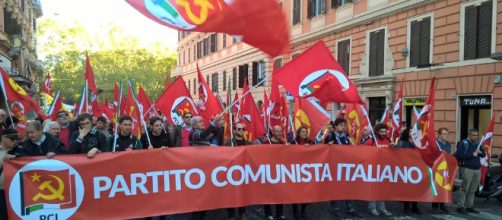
point(35, 177)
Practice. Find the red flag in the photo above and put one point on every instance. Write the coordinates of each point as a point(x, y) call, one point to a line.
point(83, 104)
point(397, 114)
point(316, 72)
point(145, 103)
point(47, 85)
point(423, 131)
point(116, 94)
point(17, 97)
point(309, 114)
point(208, 105)
point(89, 76)
point(175, 101)
point(131, 109)
point(486, 142)
point(55, 107)
point(356, 121)
point(386, 119)
point(260, 23)
point(250, 116)
point(264, 108)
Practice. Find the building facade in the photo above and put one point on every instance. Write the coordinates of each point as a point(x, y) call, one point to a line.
point(380, 44)
point(18, 55)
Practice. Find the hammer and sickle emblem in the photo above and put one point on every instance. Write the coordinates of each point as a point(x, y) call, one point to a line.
point(56, 193)
point(18, 89)
point(204, 6)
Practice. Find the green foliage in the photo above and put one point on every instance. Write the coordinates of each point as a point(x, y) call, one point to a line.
point(114, 57)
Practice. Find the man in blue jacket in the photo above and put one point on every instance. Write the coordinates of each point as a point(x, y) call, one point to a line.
point(468, 154)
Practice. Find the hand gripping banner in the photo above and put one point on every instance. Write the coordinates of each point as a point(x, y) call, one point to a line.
point(114, 185)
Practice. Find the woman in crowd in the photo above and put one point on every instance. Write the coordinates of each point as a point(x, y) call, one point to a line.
point(302, 138)
point(52, 128)
point(405, 141)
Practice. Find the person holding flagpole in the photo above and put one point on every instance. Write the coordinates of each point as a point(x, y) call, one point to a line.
point(124, 139)
point(87, 139)
point(158, 137)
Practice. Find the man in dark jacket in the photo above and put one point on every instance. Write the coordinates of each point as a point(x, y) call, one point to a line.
point(124, 139)
point(468, 154)
point(339, 136)
point(444, 145)
point(39, 144)
point(67, 128)
point(158, 137)
point(87, 139)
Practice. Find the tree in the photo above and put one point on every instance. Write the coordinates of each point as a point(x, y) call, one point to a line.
point(114, 57)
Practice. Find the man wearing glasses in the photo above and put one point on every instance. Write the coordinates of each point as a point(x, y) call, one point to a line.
point(87, 139)
point(238, 140)
point(67, 128)
point(3, 117)
point(184, 130)
point(8, 141)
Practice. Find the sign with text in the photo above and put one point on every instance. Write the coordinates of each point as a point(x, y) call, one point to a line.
point(112, 185)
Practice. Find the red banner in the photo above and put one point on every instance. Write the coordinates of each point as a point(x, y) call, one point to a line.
point(111, 185)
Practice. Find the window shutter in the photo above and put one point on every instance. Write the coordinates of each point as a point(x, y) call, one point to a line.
point(415, 43)
point(380, 52)
point(194, 87)
point(224, 80)
point(255, 73)
point(484, 30)
point(425, 39)
point(344, 55)
point(470, 32)
point(335, 3)
point(310, 8)
point(323, 5)
point(373, 53)
point(296, 11)
point(234, 78)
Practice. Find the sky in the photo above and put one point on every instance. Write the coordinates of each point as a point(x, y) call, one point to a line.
point(93, 14)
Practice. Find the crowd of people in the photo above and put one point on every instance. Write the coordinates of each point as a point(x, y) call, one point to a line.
point(90, 135)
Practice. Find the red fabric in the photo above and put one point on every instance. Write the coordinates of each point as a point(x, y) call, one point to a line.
point(175, 101)
point(356, 120)
point(131, 109)
point(423, 134)
point(397, 114)
point(309, 114)
point(89, 75)
point(116, 183)
point(64, 137)
point(486, 142)
point(250, 116)
point(316, 72)
point(208, 105)
point(185, 133)
point(260, 23)
point(18, 98)
point(47, 85)
point(148, 109)
point(56, 106)
point(382, 142)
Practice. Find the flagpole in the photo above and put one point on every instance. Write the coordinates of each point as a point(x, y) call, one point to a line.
point(140, 113)
point(230, 115)
point(118, 116)
point(8, 111)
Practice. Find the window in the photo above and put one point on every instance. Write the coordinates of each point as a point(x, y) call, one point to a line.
point(376, 62)
point(420, 42)
point(194, 52)
point(478, 30)
point(206, 47)
point(376, 108)
point(214, 82)
point(277, 64)
point(234, 40)
point(188, 57)
point(294, 55)
point(224, 41)
point(189, 86)
point(214, 42)
point(297, 11)
point(243, 75)
point(343, 55)
point(224, 80)
point(199, 49)
point(338, 3)
point(315, 8)
point(207, 79)
point(234, 78)
point(258, 72)
point(194, 86)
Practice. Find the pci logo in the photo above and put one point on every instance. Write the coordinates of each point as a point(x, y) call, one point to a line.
point(46, 190)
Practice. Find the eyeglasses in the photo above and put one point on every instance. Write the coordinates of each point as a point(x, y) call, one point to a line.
point(188, 117)
point(240, 129)
point(85, 123)
point(63, 115)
